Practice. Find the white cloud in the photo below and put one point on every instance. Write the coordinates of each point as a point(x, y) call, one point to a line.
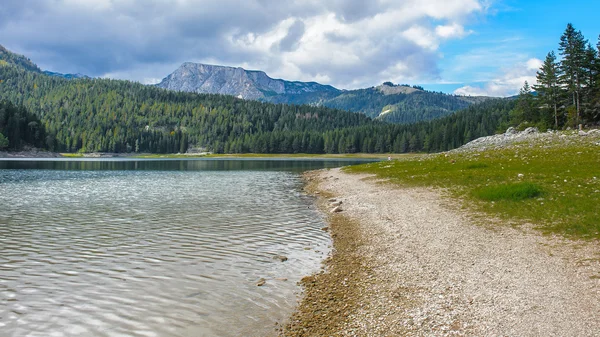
point(534, 64)
point(349, 43)
point(506, 83)
point(451, 31)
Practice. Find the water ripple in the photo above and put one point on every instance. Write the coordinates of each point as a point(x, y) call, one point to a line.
point(145, 253)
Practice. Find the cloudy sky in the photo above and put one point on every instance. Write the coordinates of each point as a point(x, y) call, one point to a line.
point(477, 47)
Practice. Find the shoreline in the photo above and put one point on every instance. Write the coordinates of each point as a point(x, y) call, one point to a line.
point(405, 261)
point(32, 154)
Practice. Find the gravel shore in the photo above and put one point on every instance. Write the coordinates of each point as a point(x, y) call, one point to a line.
point(408, 262)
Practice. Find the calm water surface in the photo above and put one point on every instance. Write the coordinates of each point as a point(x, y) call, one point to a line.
point(154, 248)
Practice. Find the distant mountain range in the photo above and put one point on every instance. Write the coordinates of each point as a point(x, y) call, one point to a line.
point(389, 102)
point(67, 76)
point(104, 115)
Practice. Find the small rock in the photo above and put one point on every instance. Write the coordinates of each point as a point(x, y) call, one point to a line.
point(325, 229)
point(520, 175)
point(337, 203)
point(337, 209)
point(261, 282)
point(281, 279)
point(332, 200)
point(510, 131)
point(582, 133)
point(530, 130)
point(281, 258)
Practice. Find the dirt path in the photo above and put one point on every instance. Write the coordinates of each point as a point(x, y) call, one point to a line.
point(422, 268)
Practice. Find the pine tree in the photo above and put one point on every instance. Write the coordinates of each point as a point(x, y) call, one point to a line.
point(592, 69)
point(572, 49)
point(524, 110)
point(3, 142)
point(548, 87)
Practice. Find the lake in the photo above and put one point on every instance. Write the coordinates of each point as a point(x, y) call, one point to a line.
point(124, 247)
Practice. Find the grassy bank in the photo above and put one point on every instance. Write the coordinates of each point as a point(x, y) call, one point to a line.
point(553, 185)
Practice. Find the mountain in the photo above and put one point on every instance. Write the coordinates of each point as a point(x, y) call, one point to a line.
point(388, 102)
point(246, 84)
point(66, 76)
point(104, 115)
point(8, 57)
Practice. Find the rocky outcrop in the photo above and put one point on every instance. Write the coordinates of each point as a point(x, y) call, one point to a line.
point(513, 136)
point(246, 84)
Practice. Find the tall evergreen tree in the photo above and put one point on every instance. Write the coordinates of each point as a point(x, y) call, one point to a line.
point(548, 86)
point(524, 111)
point(590, 109)
point(572, 49)
point(3, 142)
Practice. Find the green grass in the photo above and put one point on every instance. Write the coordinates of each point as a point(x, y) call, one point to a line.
point(512, 192)
point(554, 186)
point(72, 155)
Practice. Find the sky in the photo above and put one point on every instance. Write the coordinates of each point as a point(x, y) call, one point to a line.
point(468, 47)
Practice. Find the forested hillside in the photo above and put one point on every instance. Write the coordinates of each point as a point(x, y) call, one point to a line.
point(398, 107)
point(7, 57)
point(101, 115)
point(19, 128)
point(119, 116)
point(401, 104)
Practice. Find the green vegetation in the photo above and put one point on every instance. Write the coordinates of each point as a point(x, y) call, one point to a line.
point(6, 58)
point(3, 142)
point(405, 107)
point(568, 91)
point(555, 185)
point(513, 192)
point(98, 115)
point(19, 128)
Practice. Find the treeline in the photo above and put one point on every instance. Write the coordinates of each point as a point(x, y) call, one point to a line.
point(442, 134)
point(101, 115)
point(18, 128)
point(567, 92)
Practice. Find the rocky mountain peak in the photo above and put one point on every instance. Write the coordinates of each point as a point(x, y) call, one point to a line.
point(247, 84)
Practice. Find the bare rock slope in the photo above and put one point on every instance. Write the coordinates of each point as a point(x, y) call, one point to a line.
point(246, 84)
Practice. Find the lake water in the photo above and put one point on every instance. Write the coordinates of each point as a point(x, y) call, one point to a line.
point(154, 247)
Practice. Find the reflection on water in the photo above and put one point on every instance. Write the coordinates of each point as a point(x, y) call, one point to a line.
point(153, 253)
point(177, 164)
